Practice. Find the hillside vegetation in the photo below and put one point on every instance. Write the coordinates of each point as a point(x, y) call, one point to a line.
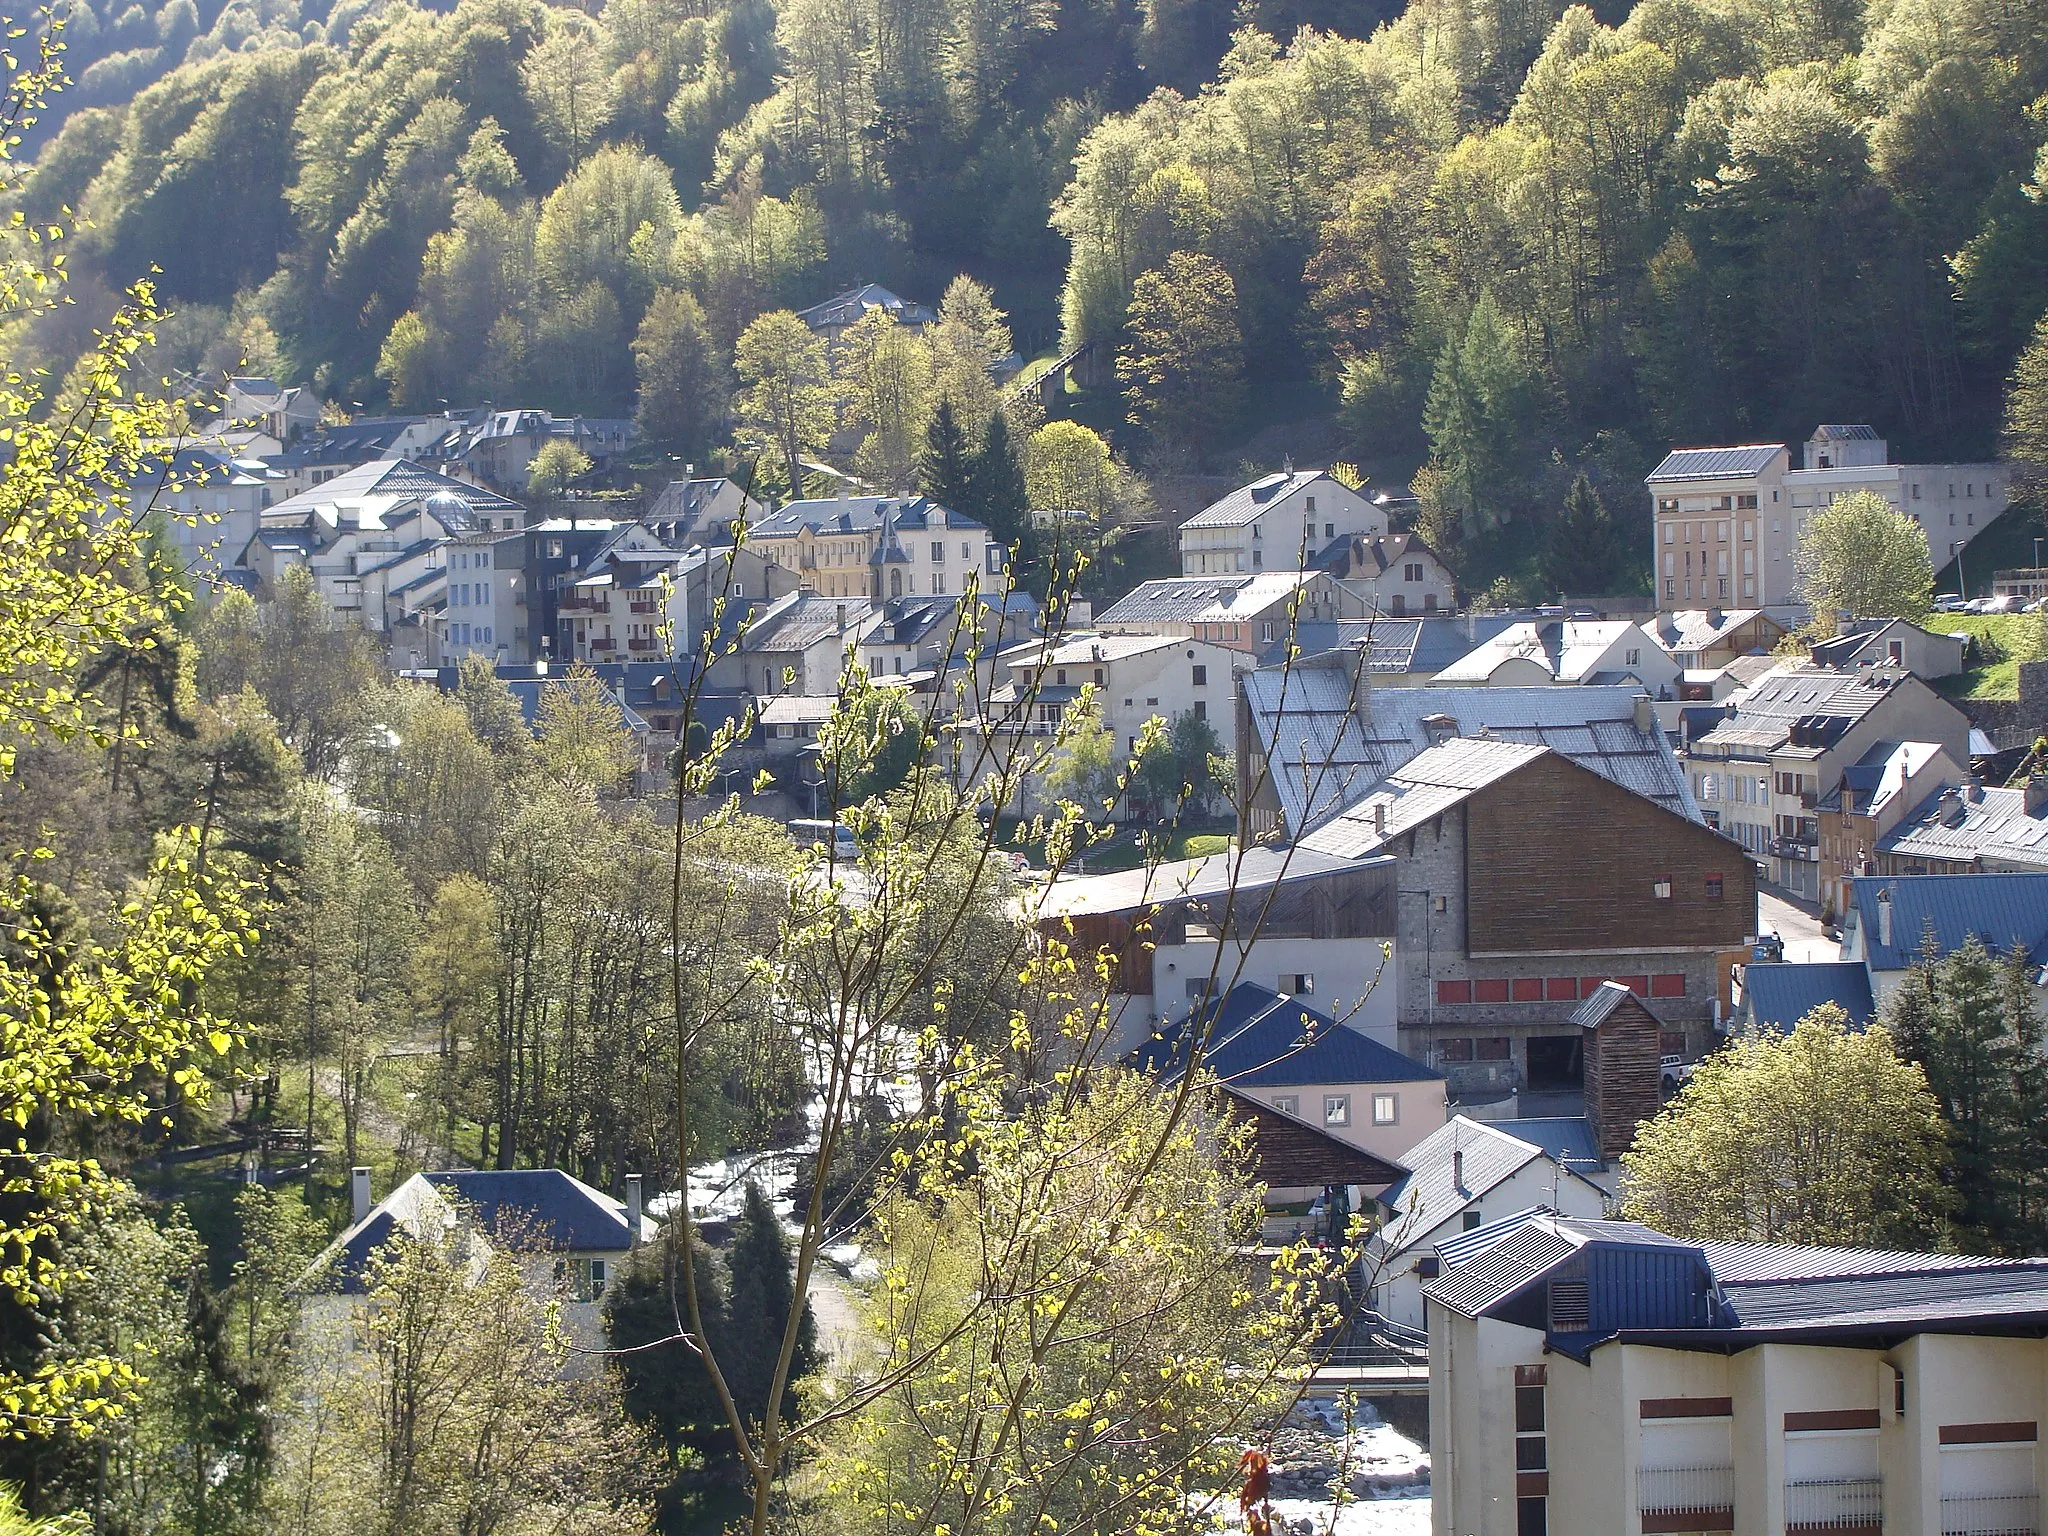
point(1520, 239)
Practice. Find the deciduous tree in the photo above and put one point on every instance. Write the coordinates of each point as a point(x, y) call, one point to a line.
point(1183, 367)
point(1862, 557)
point(1822, 1135)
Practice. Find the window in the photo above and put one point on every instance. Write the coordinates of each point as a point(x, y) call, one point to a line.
point(1329, 530)
point(1201, 709)
point(1258, 557)
point(1297, 984)
point(1747, 504)
point(1266, 630)
point(1455, 1050)
point(1454, 991)
point(1100, 677)
point(1714, 886)
point(938, 552)
point(1473, 1219)
point(939, 583)
point(1635, 657)
point(1532, 1452)
point(1386, 1108)
point(1667, 532)
point(1287, 1103)
point(1201, 677)
point(1661, 888)
point(1336, 1109)
point(1059, 677)
point(1412, 571)
point(597, 1274)
point(1311, 502)
point(1495, 1048)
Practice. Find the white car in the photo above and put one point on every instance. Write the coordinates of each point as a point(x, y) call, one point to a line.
point(1675, 1072)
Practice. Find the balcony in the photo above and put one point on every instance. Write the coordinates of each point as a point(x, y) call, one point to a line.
point(1686, 1498)
point(638, 644)
point(643, 606)
point(1990, 1514)
point(604, 645)
point(1840, 1506)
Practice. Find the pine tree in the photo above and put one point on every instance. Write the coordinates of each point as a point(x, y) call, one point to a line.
point(666, 1385)
point(1580, 555)
point(945, 470)
point(1000, 499)
point(762, 1292)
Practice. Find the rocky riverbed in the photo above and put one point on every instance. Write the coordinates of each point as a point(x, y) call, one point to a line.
point(1334, 1476)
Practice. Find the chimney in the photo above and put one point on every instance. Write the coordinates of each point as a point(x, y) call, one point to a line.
point(633, 1210)
point(1884, 917)
point(1458, 1169)
point(839, 616)
point(1646, 717)
point(2035, 794)
point(359, 1194)
point(1973, 789)
point(1379, 818)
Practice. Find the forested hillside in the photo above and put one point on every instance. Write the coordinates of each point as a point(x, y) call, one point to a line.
point(1522, 240)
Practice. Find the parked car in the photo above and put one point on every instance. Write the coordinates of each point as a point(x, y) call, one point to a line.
point(1676, 1071)
point(1950, 602)
point(2006, 603)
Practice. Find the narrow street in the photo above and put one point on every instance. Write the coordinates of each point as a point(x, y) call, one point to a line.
point(1797, 923)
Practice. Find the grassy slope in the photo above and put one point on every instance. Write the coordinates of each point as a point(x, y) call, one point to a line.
point(2007, 543)
point(2008, 633)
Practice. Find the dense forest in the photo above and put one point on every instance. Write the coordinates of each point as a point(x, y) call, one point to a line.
point(1520, 239)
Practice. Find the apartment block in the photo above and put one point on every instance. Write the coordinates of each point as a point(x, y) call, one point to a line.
point(1727, 521)
point(1599, 1378)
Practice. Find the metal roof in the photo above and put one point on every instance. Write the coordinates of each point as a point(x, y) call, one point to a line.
point(1248, 502)
point(1328, 749)
point(2002, 910)
point(1217, 874)
point(1779, 996)
point(1854, 434)
point(1766, 712)
point(1205, 599)
point(1599, 1003)
point(1964, 825)
point(802, 619)
point(1696, 629)
point(1262, 1040)
point(1891, 1298)
point(1567, 1138)
point(1742, 463)
point(1462, 1247)
point(1749, 1263)
point(1430, 1195)
point(1425, 787)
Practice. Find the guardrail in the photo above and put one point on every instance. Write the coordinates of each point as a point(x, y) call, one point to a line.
point(1990, 1514)
point(1841, 1504)
point(1686, 1498)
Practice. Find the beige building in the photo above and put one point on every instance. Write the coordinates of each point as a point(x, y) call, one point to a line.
point(1254, 614)
point(1761, 774)
point(1282, 522)
point(1727, 521)
point(882, 547)
point(1598, 1378)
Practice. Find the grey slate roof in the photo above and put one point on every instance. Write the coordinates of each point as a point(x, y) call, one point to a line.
point(847, 308)
point(1779, 996)
point(1698, 629)
point(857, 514)
point(1327, 751)
point(1213, 599)
point(1953, 826)
point(1245, 504)
point(539, 1206)
point(1820, 697)
point(1263, 1040)
point(2003, 910)
point(1424, 645)
point(1716, 463)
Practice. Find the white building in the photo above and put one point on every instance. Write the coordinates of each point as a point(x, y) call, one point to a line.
point(543, 1213)
point(1572, 651)
point(1598, 1378)
point(1304, 924)
point(1727, 521)
point(1462, 1176)
point(1281, 522)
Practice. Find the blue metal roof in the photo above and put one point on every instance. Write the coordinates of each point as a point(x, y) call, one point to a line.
point(1566, 1138)
point(1263, 1040)
point(2003, 910)
point(1779, 996)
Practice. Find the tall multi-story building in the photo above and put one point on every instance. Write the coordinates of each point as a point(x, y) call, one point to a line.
point(1727, 521)
point(1599, 1378)
point(882, 547)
